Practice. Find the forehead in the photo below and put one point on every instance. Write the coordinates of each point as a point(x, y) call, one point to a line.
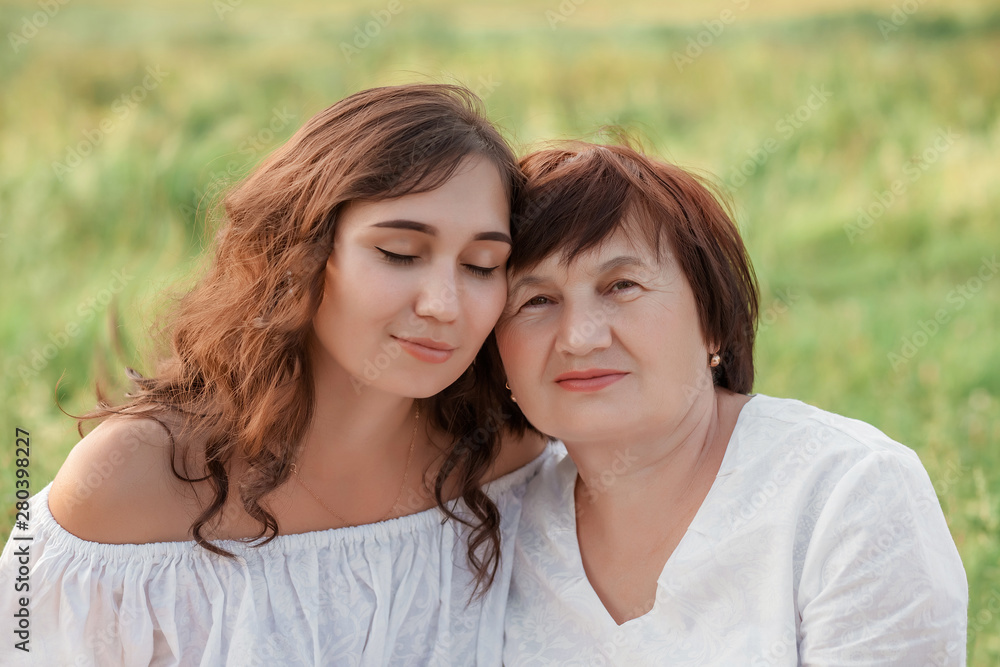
point(618, 253)
point(630, 240)
point(473, 198)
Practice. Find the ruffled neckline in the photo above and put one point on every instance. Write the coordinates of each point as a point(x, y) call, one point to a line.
point(59, 537)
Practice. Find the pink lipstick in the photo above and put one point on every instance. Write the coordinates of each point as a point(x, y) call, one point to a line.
point(592, 379)
point(426, 349)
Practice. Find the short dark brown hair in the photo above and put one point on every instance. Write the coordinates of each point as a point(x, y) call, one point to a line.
point(578, 194)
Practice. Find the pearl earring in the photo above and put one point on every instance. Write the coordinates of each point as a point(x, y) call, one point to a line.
point(716, 360)
point(511, 392)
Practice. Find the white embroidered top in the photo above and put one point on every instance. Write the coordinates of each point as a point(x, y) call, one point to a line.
point(821, 542)
point(390, 593)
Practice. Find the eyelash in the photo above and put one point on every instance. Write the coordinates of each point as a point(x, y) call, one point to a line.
point(406, 260)
point(480, 271)
point(394, 258)
point(528, 303)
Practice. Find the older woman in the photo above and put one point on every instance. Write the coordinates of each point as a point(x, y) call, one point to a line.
point(692, 522)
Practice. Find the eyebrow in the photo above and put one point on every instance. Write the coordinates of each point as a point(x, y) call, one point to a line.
point(619, 262)
point(424, 228)
point(493, 236)
point(526, 281)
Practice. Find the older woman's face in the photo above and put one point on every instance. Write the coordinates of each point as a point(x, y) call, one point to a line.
point(609, 346)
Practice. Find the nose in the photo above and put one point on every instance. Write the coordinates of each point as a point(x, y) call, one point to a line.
point(583, 328)
point(438, 295)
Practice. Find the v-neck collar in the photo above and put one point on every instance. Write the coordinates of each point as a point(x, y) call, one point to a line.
point(567, 472)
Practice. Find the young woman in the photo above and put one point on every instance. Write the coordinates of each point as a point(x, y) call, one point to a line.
point(274, 493)
point(691, 522)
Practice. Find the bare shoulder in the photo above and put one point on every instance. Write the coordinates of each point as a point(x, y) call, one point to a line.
point(515, 452)
point(117, 487)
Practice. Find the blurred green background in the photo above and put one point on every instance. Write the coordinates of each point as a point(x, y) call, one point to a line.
point(859, 141)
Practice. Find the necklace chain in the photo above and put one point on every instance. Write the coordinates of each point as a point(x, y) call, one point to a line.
point(406, 472)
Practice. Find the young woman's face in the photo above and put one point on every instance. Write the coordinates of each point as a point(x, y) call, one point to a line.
point(415, 284)
point(609, 346)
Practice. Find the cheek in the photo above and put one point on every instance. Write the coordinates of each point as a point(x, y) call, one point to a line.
point(504, 342)
point(364, 290)
point(352, 313)
point(483, 307)
point(514, 348)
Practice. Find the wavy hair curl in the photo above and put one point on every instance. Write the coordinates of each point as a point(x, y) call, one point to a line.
point(238, 371)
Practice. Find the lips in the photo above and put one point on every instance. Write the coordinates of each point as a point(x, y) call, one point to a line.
point(426, 349)
point(592, 379)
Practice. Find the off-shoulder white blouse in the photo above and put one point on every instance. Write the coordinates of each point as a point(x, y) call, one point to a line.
point(821, 542)
point(390, 593)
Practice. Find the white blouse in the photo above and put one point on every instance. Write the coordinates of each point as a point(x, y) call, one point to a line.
point(389, 593)
point(821, 542)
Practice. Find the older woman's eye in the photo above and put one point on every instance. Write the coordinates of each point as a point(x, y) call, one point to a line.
point(620, 285)
point(537, 301)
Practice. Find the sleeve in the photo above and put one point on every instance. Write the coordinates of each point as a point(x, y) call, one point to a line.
point(59, 605)
point(15, 608)
point(882, 581)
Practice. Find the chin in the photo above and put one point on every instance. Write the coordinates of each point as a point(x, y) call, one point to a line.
point(422, 385)
point(581, 429)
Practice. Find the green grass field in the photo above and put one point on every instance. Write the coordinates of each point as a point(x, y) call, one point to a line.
point(859, 142)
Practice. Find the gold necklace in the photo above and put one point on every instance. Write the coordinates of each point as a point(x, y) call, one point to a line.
point(406, 472)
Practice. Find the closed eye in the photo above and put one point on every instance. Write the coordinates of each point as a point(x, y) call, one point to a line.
point(481, 271)
point(394, 258)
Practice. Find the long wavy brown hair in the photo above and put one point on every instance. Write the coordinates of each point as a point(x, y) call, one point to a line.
point(238, 371)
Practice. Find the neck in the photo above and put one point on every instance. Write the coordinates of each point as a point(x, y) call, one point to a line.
point(354, 427)
point(656, 467)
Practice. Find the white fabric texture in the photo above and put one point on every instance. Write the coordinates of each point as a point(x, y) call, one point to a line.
point(821, 542)
point(389, 593)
